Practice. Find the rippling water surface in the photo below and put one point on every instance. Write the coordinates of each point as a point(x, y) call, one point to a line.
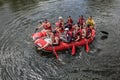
point(20, 61)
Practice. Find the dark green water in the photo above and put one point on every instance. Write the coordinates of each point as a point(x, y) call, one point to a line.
point(20, 61)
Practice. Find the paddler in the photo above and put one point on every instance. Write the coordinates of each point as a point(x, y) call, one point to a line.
point(59, 25)
point(46, 25)
point(81, 20)
point(66, 36)
point(52, 40)
point(77, 33)
point(69, 22)
point(88, 31)
point(90, 21)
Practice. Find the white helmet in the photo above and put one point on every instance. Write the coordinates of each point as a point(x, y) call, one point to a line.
point(60, 17)
point(66, 29)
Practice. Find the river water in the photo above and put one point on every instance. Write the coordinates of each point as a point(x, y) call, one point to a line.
point(20, 61)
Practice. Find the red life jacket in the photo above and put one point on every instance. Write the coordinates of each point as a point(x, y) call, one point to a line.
point(81, 21)
point(47, 26)
point(59, 24)
point(80, 31)
point(70, 33)
point(93, 33)
point(70, 22)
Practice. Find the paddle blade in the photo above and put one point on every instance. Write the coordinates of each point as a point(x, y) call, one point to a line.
point(104, 32)
point(87, 48)
point(73, 50)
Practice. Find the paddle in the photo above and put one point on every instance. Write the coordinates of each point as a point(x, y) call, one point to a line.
point(87, 46)
point(104, 32)
point(73, 49)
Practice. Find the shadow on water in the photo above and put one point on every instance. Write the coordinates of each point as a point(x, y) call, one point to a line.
point(104, 37)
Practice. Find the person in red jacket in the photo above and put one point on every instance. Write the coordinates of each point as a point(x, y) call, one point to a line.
point(46, 25)
point(59, 25)
point(77, 33)
point(81, 20)
point(69, 22)
point(66, 36)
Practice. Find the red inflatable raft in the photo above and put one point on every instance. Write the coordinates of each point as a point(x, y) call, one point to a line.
point(83, 42)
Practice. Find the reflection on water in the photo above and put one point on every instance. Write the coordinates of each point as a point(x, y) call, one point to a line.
point(20, 4)
point(16, 5)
